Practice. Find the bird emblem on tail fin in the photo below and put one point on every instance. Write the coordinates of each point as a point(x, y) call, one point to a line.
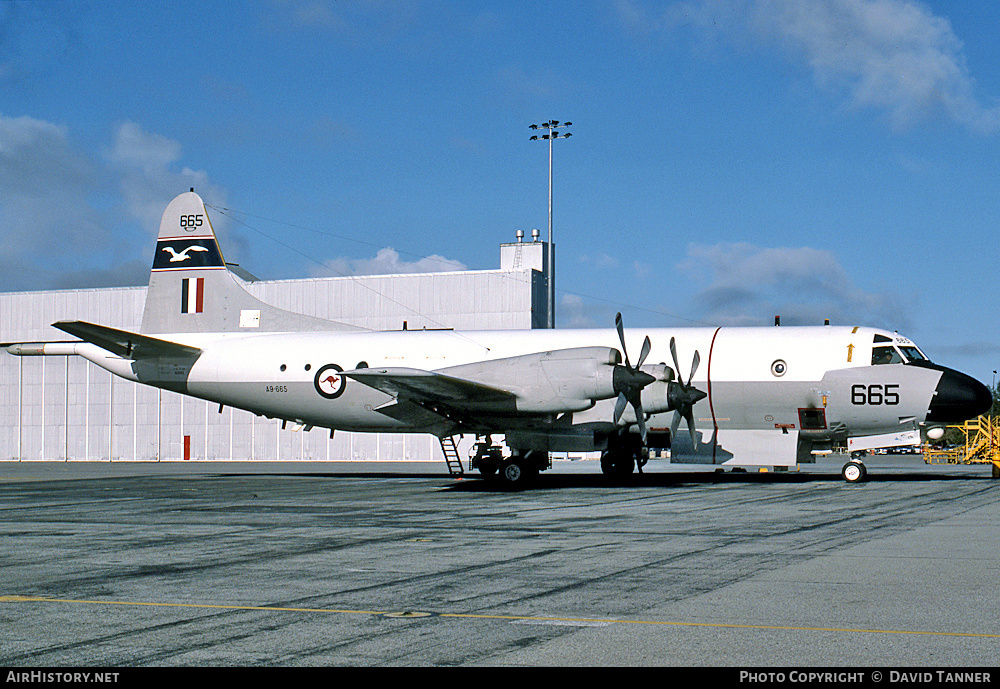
point(182, 256)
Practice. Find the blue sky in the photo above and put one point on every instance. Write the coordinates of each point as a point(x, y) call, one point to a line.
point(730, 161)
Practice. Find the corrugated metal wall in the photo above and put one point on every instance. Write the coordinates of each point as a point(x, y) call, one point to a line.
point(58, 408)
point(475, 300)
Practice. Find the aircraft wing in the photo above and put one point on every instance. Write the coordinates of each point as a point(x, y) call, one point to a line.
point(528, 386)
point(125, 344)
point(427, 387)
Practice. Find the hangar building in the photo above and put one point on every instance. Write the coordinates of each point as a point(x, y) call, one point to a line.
point(65, 408)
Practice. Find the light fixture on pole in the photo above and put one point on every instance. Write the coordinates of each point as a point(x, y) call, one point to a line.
point(551, 126)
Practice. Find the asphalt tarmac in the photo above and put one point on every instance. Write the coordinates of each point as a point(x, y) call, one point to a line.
point(393, 564)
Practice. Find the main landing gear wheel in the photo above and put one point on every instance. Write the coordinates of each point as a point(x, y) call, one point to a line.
point(617, 463)
point(517, 472)
point(854, 472)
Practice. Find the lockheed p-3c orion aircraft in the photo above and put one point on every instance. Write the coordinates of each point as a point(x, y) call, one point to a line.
point(768, 396)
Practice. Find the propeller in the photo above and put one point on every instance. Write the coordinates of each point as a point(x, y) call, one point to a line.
point(629, 382)
point(683, 396)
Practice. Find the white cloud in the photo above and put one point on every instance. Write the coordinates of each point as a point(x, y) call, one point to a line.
point(145, 164)
point(573, 312)
point(582, 311)
point(888, 54)
point(44, 215)
point(894, 56)
point(388, 262)
point(67, 216)
point(600, 261)
point(743, 284)
point(355, 21)
point(36, 158)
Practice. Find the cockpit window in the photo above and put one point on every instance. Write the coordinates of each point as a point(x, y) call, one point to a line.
point(913, 354)
point(889, 351)
point(886, 355)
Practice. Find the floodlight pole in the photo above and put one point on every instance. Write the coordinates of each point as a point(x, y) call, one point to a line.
point(551, 126)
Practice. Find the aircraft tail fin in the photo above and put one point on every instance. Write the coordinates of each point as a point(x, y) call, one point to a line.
point(192, 290)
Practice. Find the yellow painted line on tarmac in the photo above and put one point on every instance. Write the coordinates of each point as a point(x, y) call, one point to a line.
point(416, 614)
point(272, 608)
point(722, 625)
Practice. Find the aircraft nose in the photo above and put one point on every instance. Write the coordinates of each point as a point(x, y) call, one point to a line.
point(958, 397)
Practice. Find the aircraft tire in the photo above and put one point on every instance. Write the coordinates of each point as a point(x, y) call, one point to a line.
point(617, 463)
point(854, 472)
point(625, 465)
point(607, 464)
point(487, 468)
point(516, 473)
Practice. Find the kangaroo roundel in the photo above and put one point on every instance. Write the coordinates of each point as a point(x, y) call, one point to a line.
point(328, 381)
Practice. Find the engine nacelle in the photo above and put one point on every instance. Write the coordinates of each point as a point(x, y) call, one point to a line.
point(562, 380)
point(657, 397)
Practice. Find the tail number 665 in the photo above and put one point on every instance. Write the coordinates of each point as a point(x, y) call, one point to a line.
point(192, 221)
point(875, 394)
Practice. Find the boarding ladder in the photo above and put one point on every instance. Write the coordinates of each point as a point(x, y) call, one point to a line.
point(451, 456)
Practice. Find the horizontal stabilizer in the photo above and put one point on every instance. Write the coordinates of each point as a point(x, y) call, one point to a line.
point(40, 348)
point(126, 344)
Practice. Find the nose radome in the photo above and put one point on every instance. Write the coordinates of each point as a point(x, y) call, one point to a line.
point(958, 397)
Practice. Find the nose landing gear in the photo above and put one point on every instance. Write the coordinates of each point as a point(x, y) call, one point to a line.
point(854, 472)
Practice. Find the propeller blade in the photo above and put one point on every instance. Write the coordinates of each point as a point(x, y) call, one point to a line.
point(674, 425)
point(621, 336)
point(646, 346)
point(673, 353)
point(685, 397)
point(630, 382)
point(620, 406)
point(694, 436)
point(694, 366)
point(642, 419)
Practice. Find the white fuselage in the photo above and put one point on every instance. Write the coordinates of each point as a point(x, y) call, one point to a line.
point(754, 378)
